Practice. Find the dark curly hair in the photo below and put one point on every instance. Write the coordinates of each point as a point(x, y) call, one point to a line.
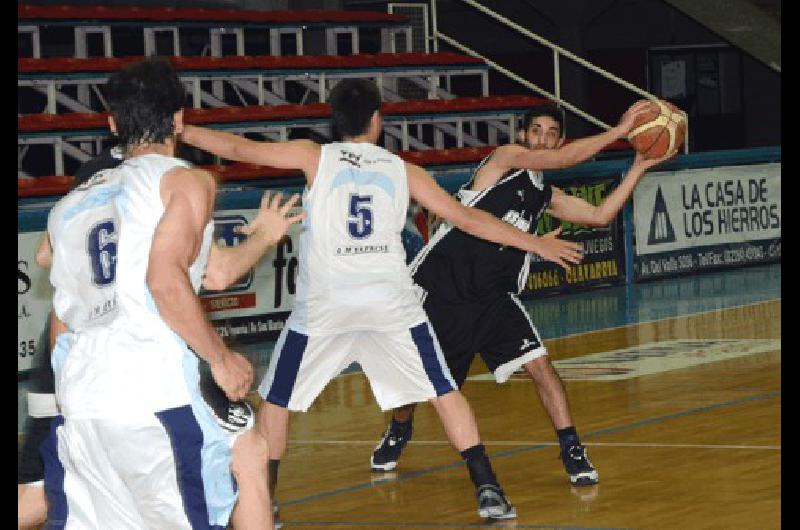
point(544, 110)
point(143, 97)
point(353, 101)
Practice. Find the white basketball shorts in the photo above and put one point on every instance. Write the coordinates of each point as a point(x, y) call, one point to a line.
point(403, 366)
point(170, 470)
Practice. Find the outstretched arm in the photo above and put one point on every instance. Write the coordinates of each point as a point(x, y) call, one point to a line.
point(484, 225)
point(518, 157)
point(227, 264)
point(577, 210)
point(294, 154)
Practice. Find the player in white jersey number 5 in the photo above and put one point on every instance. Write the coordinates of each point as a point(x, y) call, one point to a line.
point(355, 300)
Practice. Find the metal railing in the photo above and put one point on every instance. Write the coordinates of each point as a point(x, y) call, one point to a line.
point(558, 52)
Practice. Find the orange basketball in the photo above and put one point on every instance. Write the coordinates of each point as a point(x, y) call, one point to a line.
point(659, 130)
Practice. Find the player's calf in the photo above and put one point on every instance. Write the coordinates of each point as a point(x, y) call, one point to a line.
point(253, 510)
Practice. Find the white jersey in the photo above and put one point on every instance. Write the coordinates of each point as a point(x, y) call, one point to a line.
point(133, 364)
point(352, 271)
point(83, 231)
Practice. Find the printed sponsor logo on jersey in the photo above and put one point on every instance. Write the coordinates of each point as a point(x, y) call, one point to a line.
point(661, 230)
point(517, 219)
point(104, 308)
point(654, 358)
point(350, 157)
point(527, 344)
point(225, 235)
point(355, 250)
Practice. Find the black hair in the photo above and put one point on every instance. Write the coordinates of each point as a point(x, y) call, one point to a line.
point(143, 97)
point(544, 110)
point(353, 101)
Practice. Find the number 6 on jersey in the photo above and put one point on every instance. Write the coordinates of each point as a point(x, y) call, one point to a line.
point(359, 224)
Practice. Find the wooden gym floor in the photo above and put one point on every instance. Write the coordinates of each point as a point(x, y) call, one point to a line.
point(683, 426)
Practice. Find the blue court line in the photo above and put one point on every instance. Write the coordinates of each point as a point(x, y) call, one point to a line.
point(393, 524)
point(502, 454)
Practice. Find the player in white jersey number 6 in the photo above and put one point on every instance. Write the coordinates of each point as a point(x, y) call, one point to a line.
point(355, 300)
point(135, 445)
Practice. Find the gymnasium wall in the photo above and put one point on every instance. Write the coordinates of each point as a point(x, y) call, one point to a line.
point(716, 210)
point(616, 35)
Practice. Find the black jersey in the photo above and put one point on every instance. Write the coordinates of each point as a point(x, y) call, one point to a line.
point(457, 267)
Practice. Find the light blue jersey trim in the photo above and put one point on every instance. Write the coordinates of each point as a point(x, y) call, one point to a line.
point(60, 351)
point(362, 178)
point(221, 491)
point(92, 199)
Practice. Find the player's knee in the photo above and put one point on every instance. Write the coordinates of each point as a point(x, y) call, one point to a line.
point(250, 451)
point(31, 506)
point(452, 397)
point(538, 368)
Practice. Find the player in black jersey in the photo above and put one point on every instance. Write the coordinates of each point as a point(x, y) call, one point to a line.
point(470, 286)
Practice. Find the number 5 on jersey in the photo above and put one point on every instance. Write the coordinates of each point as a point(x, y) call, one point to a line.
point(359, 224)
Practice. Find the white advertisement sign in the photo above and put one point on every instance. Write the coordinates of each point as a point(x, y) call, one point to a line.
point(707, 207)
point(34, 299)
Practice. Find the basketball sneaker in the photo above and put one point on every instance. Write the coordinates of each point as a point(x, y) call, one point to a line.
point(239, 416)
point(493, 504)
point(388, 450)
point(276, 517)
point(580, 470)
point(233, 416)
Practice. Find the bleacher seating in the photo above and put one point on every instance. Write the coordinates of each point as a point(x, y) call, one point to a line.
point(443, 131)
point(72, 14)
point(436, 118)
point(238, 172)
point(81, 123)
point(263, 77)
point(100, 19)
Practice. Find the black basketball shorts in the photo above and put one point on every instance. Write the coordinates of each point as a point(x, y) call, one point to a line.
point(500, 330)
point(30, 467)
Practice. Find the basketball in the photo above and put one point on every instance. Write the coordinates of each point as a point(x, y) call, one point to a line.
point(659, 130)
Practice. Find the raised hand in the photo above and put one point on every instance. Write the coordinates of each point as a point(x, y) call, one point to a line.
point(644, 164)
point(626, 122)
point(233, 373)
point(557, 250)
point(273, 220)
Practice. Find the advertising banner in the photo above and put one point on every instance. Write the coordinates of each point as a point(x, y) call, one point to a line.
point(604, 252)
point(698, 219)
point(34, 299)
point(257, 305)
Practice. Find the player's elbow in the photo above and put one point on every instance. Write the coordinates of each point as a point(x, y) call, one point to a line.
point(163, 286)
point(601, 218)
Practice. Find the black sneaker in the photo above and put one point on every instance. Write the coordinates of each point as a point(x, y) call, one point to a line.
point(233, 416)
point(493, 504)
point(388, 450)
point(580, 470)
point(238, 416)
point(276, 517)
